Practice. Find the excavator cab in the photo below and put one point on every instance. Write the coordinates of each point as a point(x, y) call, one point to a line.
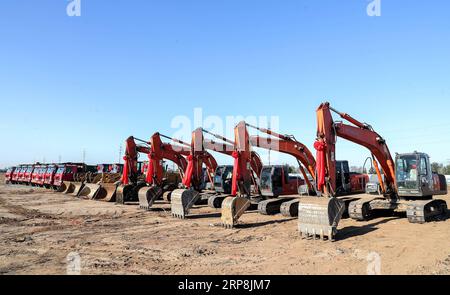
point(415, 178)
point(223, 179)
point(275, 181)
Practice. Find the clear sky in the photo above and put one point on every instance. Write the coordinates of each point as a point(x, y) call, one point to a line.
point(129, 67)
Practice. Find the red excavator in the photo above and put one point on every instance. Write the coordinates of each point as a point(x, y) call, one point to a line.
point(183, 199)
point(159, 184)
point(274, 180)
point(156, 150)
point(279, 191)
point(406, 185)
point(223, 177)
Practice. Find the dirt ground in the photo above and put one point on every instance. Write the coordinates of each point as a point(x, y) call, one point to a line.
point(39, 229)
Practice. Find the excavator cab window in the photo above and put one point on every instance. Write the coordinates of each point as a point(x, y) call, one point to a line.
point(286, 174)
point(423, 166)
point(407, 172)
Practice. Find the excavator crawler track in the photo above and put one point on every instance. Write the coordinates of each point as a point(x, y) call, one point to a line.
point(216, 201)
point(148, 195)
point(232, 210)
point(290, 208)
point(425, 211)
point(360, 210)
point(319, 217)
point(183, 200)
point(272, 206)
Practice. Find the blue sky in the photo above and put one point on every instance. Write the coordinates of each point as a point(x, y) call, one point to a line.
point(129, 67)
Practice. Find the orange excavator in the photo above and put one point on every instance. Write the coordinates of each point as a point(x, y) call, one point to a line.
point(406, 184)
point(183, 199)
point(146, 191)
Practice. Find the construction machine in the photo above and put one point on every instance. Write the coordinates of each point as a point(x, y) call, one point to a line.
point(16, 174)
point(279, 191)
point(64, 177)
point(153, 186)
point(407, 183)
point(101, 185)
point(9, 175)
point(218, 177)
point(26, 175)
point(21, 174)
point(49, 175)
point(275, 180)
point(37, 177)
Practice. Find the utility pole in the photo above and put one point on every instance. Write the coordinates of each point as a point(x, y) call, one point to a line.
point(120, 154)
point(59, 159)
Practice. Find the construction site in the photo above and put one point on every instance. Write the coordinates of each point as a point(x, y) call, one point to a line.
point(228, 138)
point(142, 218)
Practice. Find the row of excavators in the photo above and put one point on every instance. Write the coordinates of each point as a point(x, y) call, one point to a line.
point(322, 193)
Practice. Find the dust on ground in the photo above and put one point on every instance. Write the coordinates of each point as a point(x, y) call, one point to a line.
point(40, 228)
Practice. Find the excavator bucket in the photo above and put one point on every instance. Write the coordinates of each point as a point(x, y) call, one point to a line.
point(68, 187)
point(77, 188)
point(122, 192)
point(167, 196)
point(89, 191)
point(106, 192)
point(232, 210)
point(62, 188)
point(148, 195)
point(182, 200)
point(319, 216)
point(128, 193)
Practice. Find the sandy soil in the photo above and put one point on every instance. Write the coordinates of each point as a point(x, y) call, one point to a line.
point(39, 228)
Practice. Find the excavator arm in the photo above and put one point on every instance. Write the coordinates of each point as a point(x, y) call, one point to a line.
point(360, 133)
point(320, 216)
point(160, 151)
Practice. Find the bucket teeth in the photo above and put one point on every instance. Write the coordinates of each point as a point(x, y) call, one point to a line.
point(232, 210)
point(181, 201)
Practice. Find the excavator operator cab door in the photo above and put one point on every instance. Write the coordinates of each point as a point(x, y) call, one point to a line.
point(271, 182)
point(223, 179)
point(343, 184)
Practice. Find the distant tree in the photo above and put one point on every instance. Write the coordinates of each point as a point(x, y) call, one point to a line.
point(446, 170)
point(293, 169)
point(437, 167)
point(356, 169)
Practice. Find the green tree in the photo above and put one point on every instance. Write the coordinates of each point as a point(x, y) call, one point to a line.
point(446, 170)
point(437, 167)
